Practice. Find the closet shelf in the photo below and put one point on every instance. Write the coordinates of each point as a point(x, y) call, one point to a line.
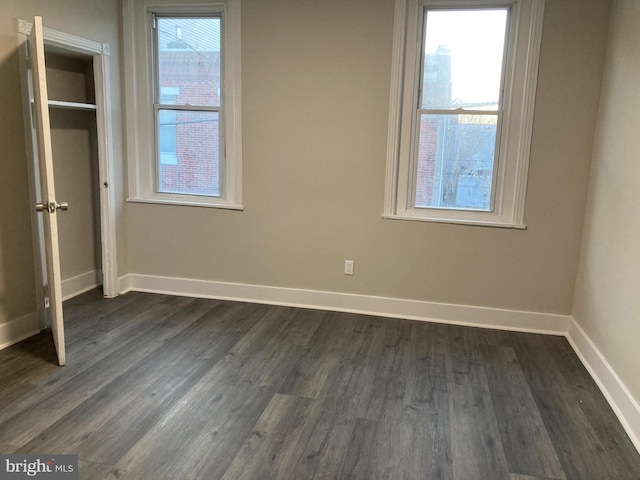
point(72, 105)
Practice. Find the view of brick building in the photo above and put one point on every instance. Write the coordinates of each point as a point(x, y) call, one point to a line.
point(455, 151)
point(189, 74)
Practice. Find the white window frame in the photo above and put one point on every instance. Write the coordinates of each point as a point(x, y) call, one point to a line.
point(139, 106)
point(514, 143)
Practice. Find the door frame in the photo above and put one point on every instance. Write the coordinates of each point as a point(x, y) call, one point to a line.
point(99, 53)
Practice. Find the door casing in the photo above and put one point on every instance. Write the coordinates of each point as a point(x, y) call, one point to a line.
point(98, 53)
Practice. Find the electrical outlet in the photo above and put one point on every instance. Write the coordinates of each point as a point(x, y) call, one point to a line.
point(348, 267)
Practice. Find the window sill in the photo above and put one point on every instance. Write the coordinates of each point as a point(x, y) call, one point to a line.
point(476, 223)
point(186, 203)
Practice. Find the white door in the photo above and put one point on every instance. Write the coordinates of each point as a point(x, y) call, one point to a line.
point(48, 204)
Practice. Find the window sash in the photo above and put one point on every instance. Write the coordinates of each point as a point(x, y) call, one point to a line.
point(411, 197)
point(155, 17)
point(519, 89)
point(164, 102)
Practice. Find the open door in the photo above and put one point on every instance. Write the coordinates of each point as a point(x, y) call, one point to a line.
point(48, 204)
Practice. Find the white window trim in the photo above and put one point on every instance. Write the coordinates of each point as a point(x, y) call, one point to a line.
point(519, 101)
point(138, 94)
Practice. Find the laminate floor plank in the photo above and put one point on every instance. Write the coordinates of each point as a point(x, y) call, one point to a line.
point(517, 476)
point(346, 380)
point(283, 419)
point(577, 444)
point(396, 353)
point(308, 376)
point(321, 356)
point(127, 326)
point(361, 457)
point(237, 317)
point(318, 451)
point(106, 316)
point(161, 387)
point(477, 450)
point(526, 443)
point(200, 435)
point(428, 377)
point(384, 398)
point(302, 326)
point(415, 446)
point(7, 449)
point(33, 361)
point(595, 407)
point(56, 398)
point(338, 334)
point(262, 356)
point(273, 321)
point(14, 392)
point(99, 412)
point(177, 359)
point(93, 471)
point(140, 413)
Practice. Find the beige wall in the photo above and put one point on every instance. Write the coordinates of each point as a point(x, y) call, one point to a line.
point(93, 19)
point(315, 107)
point(74, 147)
point(607, 303)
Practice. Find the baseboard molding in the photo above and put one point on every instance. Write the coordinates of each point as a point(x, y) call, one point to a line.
point(18, 329)
point(622, 402)
point(81, 283)
point(28, 325)
point(345, 302)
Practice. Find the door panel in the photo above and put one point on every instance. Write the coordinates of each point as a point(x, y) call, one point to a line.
point(48, 206)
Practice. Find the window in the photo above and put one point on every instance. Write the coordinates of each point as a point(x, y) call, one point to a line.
point(461, 110)
point(182, 85)
point(187, 78)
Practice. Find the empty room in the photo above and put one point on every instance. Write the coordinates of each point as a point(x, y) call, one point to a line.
point(340, 239)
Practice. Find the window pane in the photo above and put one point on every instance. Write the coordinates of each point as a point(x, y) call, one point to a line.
point(167, 137)
point(189, 60)
point(455, 161)
point(191, 138)
point(463, 57)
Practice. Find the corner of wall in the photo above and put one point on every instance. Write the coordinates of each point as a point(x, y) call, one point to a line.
point(614, 390)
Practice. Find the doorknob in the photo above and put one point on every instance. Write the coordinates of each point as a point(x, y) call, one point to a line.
point(51, 207)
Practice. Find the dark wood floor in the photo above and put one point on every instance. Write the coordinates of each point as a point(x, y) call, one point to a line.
point(160, 387)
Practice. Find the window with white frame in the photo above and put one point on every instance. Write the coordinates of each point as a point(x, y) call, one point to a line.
point(461, 110)
point(182, 87)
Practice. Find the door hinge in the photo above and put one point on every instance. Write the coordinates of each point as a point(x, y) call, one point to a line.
point(46, 302)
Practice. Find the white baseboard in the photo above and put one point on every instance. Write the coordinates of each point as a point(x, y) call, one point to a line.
point(18, 329)
point(28, 325)
point(622, 402)
point(345, 302)
point(81, 283)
